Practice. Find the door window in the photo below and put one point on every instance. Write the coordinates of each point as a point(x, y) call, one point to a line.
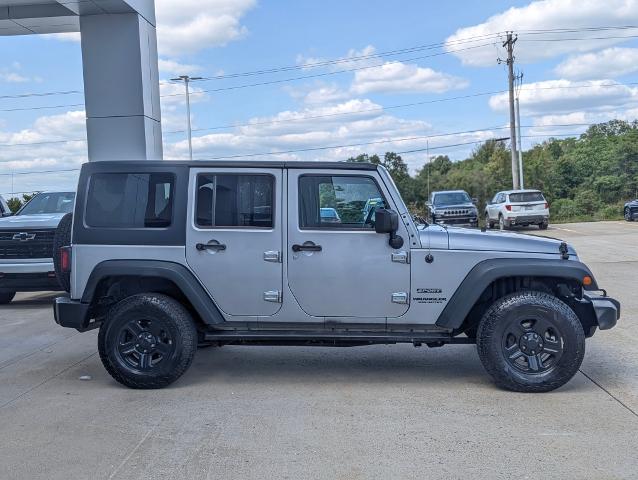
point(235, 201)
point(338, 202)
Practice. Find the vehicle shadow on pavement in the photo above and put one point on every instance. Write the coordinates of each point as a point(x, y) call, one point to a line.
point(373, 364)
point(32, 301)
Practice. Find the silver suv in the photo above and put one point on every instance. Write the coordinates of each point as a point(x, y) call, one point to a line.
point(166, 256)
point(26, 245)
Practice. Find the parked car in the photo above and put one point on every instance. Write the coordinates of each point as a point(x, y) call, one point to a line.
point(329, 215)
point(517, 208)
point(5, 211)
point(160, 266)
point(630, 211)
point(26, 245)
point(452, 207)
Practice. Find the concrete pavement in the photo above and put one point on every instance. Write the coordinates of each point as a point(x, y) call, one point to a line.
point(315, 413)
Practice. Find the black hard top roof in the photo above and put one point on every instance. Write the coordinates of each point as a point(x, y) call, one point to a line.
point(238, 164)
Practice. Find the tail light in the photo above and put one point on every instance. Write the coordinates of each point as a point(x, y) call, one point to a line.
point(508, 208)
point(546, 205)
point(65, 259)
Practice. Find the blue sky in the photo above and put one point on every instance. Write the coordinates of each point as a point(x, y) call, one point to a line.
point(566, 82)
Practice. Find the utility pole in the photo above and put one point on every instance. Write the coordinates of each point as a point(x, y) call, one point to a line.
point(186, 79)
point(427, 150)
point(520, 143)
point(509, 44)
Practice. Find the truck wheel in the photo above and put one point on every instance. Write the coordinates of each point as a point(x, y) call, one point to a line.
point(6, 297)
point(61, 239)
point(530, 342)
point(147, 341)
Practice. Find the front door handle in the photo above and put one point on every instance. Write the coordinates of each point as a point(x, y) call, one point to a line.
point(306, 247)
point(210, 246)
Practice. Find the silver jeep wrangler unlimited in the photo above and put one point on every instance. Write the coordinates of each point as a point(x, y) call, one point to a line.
point(166, 256)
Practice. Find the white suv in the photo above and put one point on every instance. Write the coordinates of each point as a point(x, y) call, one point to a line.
point(517, 207)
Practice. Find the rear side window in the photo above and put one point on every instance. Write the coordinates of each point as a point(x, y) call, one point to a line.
point(234, 200)
point(527, 197)
point(130, 200)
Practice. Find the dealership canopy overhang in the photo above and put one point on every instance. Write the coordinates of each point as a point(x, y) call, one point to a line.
point(119, 56)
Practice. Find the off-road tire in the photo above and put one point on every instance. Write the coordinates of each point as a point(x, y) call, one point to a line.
point(543, 226)
point(171, 318)
point(516, 307)
point(627, 215)
point(61, 239)
point(6, 297)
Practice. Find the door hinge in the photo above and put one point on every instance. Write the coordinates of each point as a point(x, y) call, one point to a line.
point(275, 296)
point(400, 297)
point(272, 256)
point(401, 257)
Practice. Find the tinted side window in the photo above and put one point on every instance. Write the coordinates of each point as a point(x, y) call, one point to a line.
point(340, 201)
point(232, 200)
point(527, 197)
point(130, 200)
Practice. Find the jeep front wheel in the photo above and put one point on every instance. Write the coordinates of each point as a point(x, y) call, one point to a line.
point(147, 341)
point(530, 342)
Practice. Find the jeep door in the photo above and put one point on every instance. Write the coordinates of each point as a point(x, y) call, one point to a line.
point(234, 237)
point(338, 266)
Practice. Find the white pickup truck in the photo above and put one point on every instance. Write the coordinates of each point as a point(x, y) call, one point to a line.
point(26, 244)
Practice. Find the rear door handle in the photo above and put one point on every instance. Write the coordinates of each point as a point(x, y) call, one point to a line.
point(306, 247)
point(210, 246)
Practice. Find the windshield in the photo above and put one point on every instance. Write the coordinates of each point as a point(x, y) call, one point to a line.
point(452, 198)
point(527, 197)
point(49, 203)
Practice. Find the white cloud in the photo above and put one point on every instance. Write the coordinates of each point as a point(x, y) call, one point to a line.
point(321, 94)
point(45, 156)
point(563, 124)
point(354, 58)
point(188, 26)
point(611, 62)
point(12, 74)
point(397, 77)
point(542, 15)
point(292, 132)
point(565, 96)
point(176, 68)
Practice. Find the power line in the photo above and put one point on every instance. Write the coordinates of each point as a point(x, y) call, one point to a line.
point(42, 94)
point(324, 74)
point(44, 107)
point(39, 171)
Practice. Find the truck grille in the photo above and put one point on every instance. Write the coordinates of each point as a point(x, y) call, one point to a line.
point(17, 244)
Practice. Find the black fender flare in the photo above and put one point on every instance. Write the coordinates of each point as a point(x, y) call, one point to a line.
point(487, 271)
point(181, 276)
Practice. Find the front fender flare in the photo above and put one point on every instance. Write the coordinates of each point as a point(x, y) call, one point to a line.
point(487, 271)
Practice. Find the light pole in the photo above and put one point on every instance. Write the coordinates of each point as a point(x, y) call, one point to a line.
point(186, 79)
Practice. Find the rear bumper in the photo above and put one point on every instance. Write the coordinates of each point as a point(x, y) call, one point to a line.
point(527, 219)
point(72, 314)
point(606, 309)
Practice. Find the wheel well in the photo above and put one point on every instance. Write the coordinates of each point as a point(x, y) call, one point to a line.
point(567, 290)
point(112, 289)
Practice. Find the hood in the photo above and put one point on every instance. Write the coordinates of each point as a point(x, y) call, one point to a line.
point(633, 203)
point(471, 239)
point(44, 220)
point(458, 205)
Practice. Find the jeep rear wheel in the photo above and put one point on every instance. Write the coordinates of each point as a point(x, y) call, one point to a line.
point(6, 297)
point(147, 341)
point(530, 342)
point(61, 239)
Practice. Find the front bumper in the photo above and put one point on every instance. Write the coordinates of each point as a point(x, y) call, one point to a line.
point(473, 221)
point(72, 314)
point(606, 309)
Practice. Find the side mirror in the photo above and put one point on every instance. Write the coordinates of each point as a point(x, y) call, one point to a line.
point(387, 221)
